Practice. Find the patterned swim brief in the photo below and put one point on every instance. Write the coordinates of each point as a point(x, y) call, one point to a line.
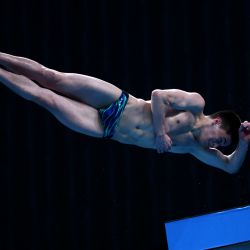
point(111, 115)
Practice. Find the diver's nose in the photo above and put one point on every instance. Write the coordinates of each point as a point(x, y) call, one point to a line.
point(213, 144)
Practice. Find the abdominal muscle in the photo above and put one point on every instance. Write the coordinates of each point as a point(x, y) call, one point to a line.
point(136, 126)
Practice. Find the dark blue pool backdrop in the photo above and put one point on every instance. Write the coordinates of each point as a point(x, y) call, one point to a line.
point(63, 190)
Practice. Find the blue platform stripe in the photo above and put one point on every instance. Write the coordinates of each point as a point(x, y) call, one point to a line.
point(209, 231)
point(111, 115)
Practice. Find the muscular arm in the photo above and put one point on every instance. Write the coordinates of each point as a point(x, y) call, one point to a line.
point(229, 163)
point(179, 99)
point(162, 102)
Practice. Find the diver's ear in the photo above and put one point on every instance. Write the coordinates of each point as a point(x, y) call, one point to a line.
point(217, 121)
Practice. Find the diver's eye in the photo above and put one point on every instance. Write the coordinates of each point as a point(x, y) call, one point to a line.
point(219, 141)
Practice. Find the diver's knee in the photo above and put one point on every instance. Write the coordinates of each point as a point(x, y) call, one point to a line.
point(51, 75)
point(43, 97)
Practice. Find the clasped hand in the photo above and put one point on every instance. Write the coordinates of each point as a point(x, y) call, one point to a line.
point(244, 131)
point(163, 143)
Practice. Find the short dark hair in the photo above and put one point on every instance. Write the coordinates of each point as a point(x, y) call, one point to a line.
point(230, 122)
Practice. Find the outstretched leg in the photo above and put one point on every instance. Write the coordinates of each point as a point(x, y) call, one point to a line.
point(86, 89)
point(73, 114)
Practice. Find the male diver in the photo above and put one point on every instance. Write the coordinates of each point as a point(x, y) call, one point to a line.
point(172, 121)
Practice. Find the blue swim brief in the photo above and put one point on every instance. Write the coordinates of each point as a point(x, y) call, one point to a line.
point(111, 115)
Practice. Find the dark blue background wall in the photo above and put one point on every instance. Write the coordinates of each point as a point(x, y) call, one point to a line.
point(60, 189)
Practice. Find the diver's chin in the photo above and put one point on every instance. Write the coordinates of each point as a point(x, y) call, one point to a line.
point(206, 145)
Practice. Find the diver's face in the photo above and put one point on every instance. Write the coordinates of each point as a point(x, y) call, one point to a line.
point(213, 136)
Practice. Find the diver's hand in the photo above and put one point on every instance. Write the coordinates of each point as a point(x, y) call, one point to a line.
point(163, 143)
point(244, 132)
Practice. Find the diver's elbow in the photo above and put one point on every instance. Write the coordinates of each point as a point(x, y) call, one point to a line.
point(232, 169)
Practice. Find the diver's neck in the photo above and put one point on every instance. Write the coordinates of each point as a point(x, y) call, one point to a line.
point(201, 123)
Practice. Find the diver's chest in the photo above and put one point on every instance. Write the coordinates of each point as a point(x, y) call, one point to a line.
point(182, 143)
point(183, 140)
point(181, 123)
